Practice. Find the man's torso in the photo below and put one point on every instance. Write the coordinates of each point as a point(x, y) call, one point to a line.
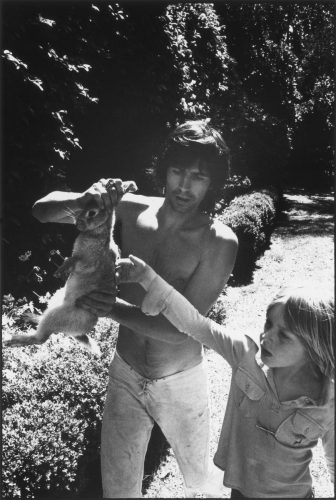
point(174, 254)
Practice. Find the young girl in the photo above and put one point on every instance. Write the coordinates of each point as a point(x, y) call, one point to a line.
point(281, 398)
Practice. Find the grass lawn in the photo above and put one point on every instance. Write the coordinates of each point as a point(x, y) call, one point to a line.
point(301, 250)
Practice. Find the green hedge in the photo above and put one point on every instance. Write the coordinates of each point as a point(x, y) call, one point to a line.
point(52, 401)
point(53, 395)
point(251, 217)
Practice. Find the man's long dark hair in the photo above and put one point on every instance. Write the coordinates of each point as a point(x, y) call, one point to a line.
point(191, 141)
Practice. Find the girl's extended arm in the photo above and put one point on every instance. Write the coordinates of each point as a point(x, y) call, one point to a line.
point(163, 298)
point(328, 442)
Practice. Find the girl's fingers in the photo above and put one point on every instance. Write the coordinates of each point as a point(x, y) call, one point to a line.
point(124, 268)
point(124, 263)
point(139, 265)
point(136, 261)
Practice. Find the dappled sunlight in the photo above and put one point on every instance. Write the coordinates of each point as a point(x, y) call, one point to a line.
point(311, 214)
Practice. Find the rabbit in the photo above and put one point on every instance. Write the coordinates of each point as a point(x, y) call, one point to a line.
point(90, 267)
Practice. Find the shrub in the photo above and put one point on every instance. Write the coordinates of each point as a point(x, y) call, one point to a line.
point(52, 400)
point(218, 312)
point(251, 217)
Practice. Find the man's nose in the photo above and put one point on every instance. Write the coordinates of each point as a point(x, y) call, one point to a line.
point(184, 183)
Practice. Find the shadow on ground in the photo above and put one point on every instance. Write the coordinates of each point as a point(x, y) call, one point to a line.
point(305, 213)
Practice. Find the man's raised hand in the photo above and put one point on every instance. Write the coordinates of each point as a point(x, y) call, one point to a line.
point(106, 193)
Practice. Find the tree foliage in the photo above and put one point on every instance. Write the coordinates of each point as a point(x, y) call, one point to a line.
point(58, 133)
point(90, 91)
point(285, 59)
point(45, 90)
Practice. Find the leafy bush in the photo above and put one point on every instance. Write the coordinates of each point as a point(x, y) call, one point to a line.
point(251, 217)
point(52, 400)
point(218, 312)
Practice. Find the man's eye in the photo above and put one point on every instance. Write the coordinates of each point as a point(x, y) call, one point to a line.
point(201, 177)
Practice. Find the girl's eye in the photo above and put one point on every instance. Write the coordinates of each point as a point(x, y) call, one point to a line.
point(283, 335)
point(268, 324)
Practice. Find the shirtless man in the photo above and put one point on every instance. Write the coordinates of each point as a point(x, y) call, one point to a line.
point(161, 380)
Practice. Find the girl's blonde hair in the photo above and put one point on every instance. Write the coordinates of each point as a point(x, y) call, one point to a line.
point(309, 314)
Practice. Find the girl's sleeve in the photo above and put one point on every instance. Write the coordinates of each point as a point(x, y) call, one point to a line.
point(328, 442)
point(163, 298)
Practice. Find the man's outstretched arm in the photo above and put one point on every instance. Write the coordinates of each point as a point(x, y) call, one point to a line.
point(63, 206)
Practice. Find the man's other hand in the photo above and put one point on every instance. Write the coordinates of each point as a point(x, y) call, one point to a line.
point(98, 302)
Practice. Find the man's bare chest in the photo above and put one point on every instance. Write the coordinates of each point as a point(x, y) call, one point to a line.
point(173, 254)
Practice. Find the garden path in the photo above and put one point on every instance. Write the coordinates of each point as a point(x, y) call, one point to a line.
point(301, 250)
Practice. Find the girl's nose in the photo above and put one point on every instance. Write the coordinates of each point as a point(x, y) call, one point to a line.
point(268, 335)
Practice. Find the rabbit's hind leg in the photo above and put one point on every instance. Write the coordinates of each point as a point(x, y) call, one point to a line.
point(48, 324)
point(39, 337)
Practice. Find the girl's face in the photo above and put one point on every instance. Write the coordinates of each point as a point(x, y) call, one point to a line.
point(281, 348)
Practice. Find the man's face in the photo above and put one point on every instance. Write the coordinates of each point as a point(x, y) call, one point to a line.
point(186, 187)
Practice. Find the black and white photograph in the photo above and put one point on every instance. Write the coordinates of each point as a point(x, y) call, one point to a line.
point(167, 265)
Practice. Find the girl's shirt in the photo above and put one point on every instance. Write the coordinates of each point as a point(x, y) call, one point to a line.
point(265, 444)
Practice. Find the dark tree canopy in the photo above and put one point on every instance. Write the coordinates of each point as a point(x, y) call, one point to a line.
point(90, 90)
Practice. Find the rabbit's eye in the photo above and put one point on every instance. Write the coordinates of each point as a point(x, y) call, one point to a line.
point(92, 213)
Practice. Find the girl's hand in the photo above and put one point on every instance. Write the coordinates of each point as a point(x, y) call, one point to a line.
point(134, 270)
